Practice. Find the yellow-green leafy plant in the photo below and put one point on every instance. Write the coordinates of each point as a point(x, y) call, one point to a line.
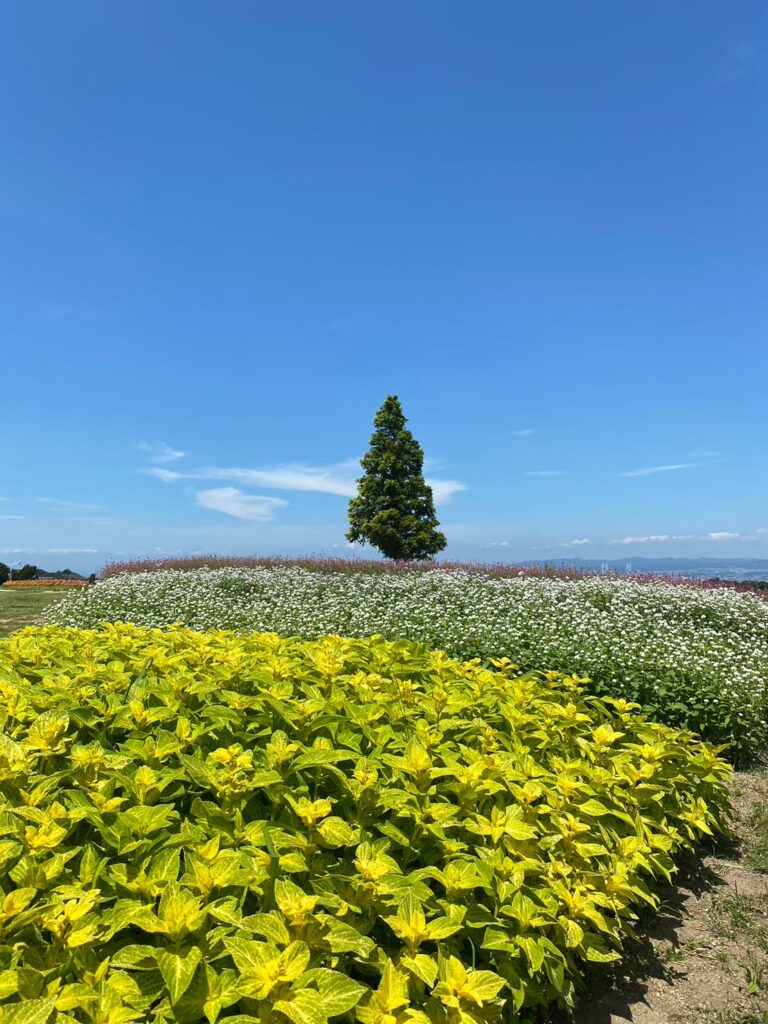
point(205, 827)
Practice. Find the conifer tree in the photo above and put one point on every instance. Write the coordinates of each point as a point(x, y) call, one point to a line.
point(394, 509)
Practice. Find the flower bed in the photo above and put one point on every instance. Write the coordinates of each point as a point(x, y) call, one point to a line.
point(354, 566)
point(201, 826)
point(694, 658)
point(45, 583)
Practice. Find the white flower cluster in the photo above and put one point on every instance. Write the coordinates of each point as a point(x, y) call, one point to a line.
point(704, 651)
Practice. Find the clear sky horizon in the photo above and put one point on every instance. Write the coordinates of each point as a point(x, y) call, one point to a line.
point(229, 231)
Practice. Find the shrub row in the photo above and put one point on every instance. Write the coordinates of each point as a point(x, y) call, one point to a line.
point(205, 826)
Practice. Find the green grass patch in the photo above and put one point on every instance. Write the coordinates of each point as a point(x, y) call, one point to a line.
point(757, 847)
point(22, 606)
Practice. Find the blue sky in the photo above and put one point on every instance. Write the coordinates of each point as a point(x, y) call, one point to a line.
point(229, 231)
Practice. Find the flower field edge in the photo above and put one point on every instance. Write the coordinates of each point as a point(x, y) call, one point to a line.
point(694, 658)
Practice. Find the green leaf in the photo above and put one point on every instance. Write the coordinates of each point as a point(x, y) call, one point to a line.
point(293, 961)
point(442, 928)
point(178, 969)
point(574, 933)
point(9, 983)
point(271, 926)
point(423, 966)
point(337, 993)
point(518, 829)
point(143, 821)
point(223, 991)
point(320, 758)
point(227, 911)
point(303, 1007)
point(344, 938)
point(533, 950)
point(135, 958)
point(30, 1011)
point(250, 957)
point(481, 986)
point(336, 832)
point(596, 951)
point(595, 809)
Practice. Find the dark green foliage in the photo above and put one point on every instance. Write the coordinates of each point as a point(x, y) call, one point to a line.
point(32, 572)
point(394, 509)
point(64, 574)
point(26, 572)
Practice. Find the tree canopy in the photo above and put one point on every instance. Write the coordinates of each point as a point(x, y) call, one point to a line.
point(394, 509)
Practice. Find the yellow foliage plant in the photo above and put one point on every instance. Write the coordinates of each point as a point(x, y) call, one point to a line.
point(213, 827)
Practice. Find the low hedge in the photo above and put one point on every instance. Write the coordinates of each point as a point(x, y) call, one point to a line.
point(204, 826)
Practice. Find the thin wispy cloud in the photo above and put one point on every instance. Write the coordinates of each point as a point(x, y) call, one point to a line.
point(653, 538)
point(671, 467)
point(60, 505)
point(545, 472)
point(72, 551)
point(91, 520)
point(575, 543)
point(49, 551)
point(444, 490)
point(168, 476)
point(13, 517)
point(334, 479)
point(339, 478)
point(526, 432)
point(233, 502)
point(715, 535)
point(159, 452)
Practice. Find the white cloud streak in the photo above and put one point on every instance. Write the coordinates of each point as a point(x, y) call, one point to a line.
point(292, 477)
point(653, 538)
point(72, 551)
point(91, 520)
point(60, 505)
point(545, 472)
point(234, 502)
point(715, 535)
point(49, 551)
point(522, 433)
point(159, 452)
point(444, 490)
point(671, 468)
point(339, 479)
point(168, 476)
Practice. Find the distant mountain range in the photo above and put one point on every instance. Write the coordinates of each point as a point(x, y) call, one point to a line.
point(701, 568)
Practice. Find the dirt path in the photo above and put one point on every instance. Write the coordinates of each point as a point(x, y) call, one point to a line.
point(704, 958)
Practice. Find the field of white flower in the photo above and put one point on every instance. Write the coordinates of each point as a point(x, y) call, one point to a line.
point(695, 658)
